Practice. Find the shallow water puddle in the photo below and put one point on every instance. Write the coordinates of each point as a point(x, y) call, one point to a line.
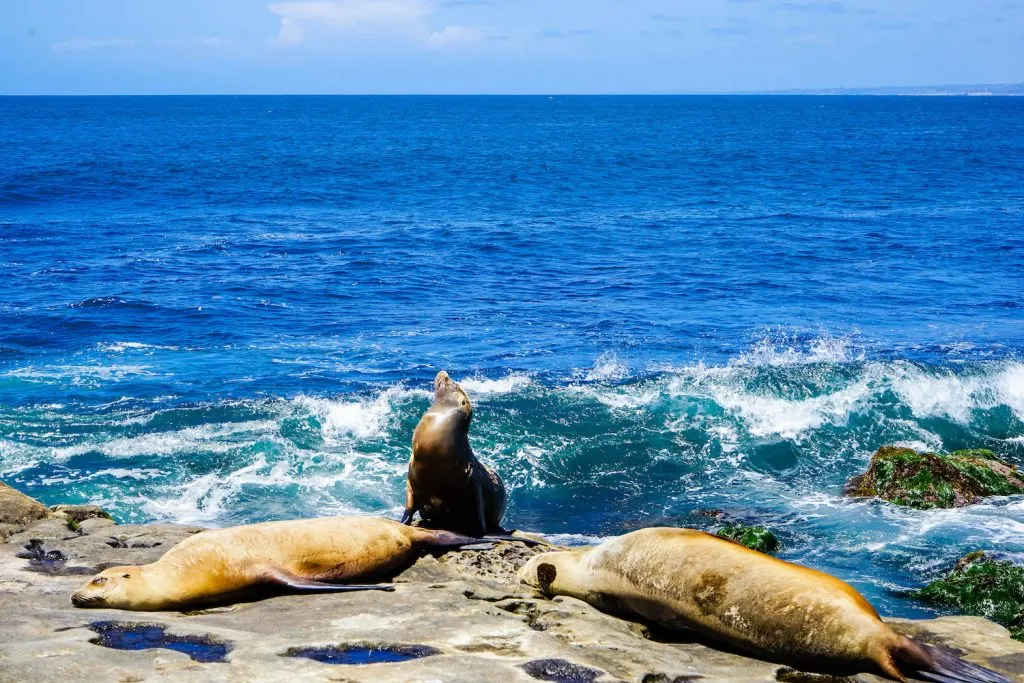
point(362, 653)
point(560, 671)
point(134, 636)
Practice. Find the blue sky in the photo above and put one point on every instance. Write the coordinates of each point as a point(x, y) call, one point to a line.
point(502, 46)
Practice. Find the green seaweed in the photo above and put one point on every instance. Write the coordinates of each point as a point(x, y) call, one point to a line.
point(982, 586)
point(931, 480)
point(755, 537)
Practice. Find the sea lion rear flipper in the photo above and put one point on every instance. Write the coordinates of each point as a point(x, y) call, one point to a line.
point(929, 663)
point(300, 583)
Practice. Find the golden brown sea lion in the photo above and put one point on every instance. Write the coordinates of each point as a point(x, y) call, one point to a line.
point(771, 609)
point(305, 555)
point(447, 485)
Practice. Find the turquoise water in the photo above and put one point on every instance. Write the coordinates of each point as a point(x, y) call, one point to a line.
point(224, 310)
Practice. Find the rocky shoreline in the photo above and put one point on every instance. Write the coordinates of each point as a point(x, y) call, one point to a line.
point(456, 617)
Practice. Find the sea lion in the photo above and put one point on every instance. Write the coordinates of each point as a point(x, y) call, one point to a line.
point(447, 485)
point(221, 565)
point(774, 610)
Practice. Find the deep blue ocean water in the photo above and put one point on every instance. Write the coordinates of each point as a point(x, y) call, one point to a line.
point(230, 309)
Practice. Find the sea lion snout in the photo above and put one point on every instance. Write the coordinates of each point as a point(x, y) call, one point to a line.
point(109, 588)
point(80, 599)
point(443, 384)
point(448, 391)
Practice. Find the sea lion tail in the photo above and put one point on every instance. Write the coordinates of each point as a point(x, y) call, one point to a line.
point(934, 664)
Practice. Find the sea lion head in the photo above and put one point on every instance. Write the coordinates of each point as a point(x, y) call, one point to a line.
point(116, 588)
point(448, 394)
point(549, 572)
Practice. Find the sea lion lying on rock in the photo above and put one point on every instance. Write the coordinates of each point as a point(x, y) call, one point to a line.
point(222, 565)
point(447, 485)
point(771, 609)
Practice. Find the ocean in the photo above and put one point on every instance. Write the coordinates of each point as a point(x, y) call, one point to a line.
point(220, 310)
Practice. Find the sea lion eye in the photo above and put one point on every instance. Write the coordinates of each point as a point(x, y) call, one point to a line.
point(100, 580)
point(126, 576)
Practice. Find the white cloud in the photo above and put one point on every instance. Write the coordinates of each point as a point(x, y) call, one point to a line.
point(346, 14)
point(409, 17)
point(76, 44)
point(456, 35)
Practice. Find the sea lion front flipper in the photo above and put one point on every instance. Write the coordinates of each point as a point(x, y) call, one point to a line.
point(410, 503)
point(514, 539)
point(301, 583)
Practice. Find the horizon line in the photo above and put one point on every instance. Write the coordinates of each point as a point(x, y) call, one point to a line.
point(823, 92)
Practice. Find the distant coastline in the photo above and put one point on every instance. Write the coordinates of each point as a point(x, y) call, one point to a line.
point(982, 90)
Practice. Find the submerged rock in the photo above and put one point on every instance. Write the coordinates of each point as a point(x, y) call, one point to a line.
point(753, 536)
point(931, 480)
point(984, 586)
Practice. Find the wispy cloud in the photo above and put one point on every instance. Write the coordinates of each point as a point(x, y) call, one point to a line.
point(556, 34)
point(451, 36)
point(410, 17)
point(816, 6)
point(297, 17)
point(78, 44)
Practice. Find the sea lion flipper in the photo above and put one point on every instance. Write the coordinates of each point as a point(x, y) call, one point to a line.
point(410, 503)
point(929, 663)
point(513, 539)
point(301, 583)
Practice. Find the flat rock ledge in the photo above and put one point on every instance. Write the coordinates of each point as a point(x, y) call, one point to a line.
point(456, 617)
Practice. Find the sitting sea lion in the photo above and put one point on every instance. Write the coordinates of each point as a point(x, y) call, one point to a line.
point(221, 565)
point(774, 610)
point(447, 485)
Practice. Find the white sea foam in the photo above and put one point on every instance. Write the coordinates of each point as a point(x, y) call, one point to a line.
point(763, 414)
point(364, 418)
point(608, 367)
point(945, 394)
point(202, 499)
point(628, 397)
point(213, 438)
point(208, 498)
point(80, 374)
point(475, 386)
point(775, 351)
point(122, 346)
point(1010, 387)
point(574, 540)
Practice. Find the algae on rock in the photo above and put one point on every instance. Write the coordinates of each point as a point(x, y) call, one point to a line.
point(755, 537)
point(931, 480)
point(982, 586)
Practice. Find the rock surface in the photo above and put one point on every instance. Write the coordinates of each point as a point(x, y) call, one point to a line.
point(455, 617)
point(930, 480)
point(983, 585)
point(17, 509)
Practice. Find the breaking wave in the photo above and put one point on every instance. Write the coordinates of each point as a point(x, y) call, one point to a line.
point(772, 435)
